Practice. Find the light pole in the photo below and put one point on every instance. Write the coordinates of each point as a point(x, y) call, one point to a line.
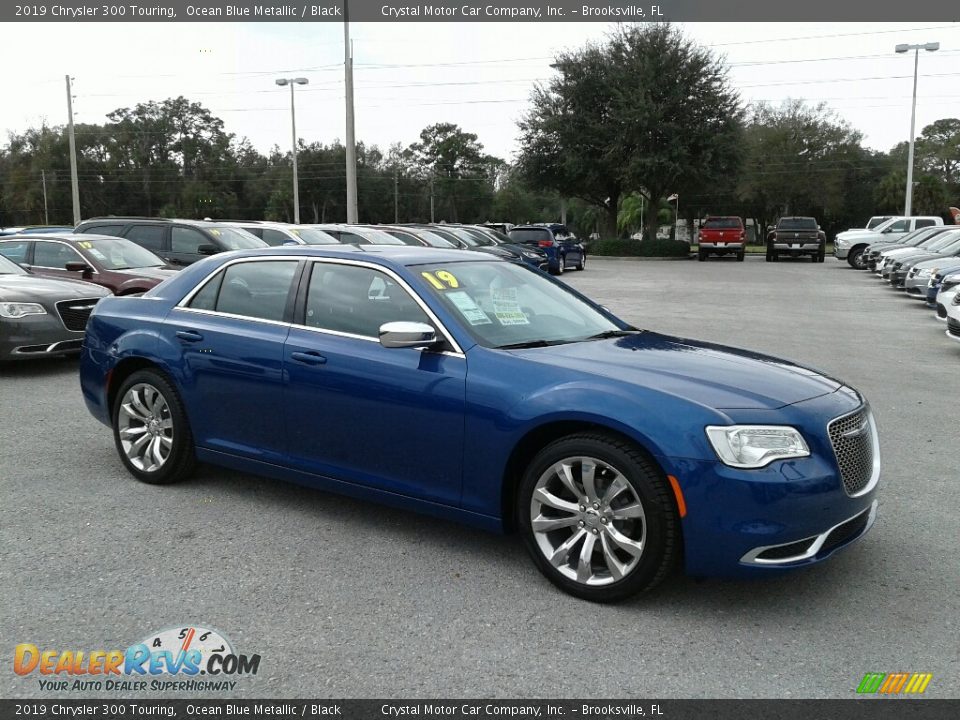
point(351, 139)
point(902, 48)
point(293, 127)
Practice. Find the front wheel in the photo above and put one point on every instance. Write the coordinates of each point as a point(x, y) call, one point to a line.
point(856, 259)
point(151, 431)
point(597, 518)
point(582, 265)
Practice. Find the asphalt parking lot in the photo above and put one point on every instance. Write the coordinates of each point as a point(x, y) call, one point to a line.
point(343, 599)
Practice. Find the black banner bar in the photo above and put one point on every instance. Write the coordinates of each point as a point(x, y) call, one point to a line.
point(475, 11)
point(855, 709)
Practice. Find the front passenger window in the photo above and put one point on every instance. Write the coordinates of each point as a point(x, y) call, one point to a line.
point(357, 300)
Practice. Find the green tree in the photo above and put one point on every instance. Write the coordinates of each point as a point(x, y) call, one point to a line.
point(647, 111)
point(454, 160)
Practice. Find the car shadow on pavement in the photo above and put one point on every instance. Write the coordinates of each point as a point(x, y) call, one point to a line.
point(473, 547)
point(40, 367)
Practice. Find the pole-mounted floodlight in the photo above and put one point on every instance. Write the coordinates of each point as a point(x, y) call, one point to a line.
point(903, 48)
point(293, 127)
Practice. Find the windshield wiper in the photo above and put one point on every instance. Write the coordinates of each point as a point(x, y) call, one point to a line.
point(613, 333)
point(531, 344)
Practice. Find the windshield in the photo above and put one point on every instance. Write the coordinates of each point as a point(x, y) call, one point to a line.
point(477, 236)
point(120, 254)
point(9, 267)
point(434, 240)
point(312, 236)
point(952, 245)
point(503, 304)
point(797, 224)
point(236, 239)
point(920, 236)
point(941, 242)
point(721, 223)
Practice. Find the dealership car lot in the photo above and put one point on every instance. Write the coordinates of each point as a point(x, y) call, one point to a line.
point(348, 599)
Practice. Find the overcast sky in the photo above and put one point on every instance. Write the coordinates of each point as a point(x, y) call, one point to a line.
point(478, 75)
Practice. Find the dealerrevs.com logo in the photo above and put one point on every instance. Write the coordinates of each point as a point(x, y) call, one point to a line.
point(191, 658)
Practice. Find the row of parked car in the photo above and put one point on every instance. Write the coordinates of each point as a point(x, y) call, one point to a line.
point(923, 262)
point(51, 277)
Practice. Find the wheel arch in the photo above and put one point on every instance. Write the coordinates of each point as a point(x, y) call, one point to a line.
point(124, 369)
point(542, 435)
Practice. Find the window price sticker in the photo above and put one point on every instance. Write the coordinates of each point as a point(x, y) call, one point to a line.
point(469, 309)
point(506, 307)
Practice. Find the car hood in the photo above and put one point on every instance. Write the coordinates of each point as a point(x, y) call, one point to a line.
point(711, 375)
point(30, 288)
point(153, 273)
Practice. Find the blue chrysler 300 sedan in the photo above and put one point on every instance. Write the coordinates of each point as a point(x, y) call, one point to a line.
point(470, 388)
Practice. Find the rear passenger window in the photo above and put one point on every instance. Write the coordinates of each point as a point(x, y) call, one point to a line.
point(924, 223)
point(251, 289)
point(16, 251)
point(147, 236)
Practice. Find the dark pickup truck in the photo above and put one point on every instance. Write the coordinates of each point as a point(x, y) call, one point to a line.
point(796, 236)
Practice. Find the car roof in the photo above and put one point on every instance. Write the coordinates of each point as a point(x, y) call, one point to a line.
point(381, 254)
point(111, 219)
point(66, 237)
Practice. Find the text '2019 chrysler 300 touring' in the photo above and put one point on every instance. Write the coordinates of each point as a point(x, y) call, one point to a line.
point(479, 390)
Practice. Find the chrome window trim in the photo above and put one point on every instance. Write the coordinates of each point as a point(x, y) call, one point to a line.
point(750, 558)
point(403, 284)
point(184, 303)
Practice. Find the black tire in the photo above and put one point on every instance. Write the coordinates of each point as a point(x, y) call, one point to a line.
point(855, 259)
point(701, 256)
point(559, 270)
point(661, 524)
point(740, 256)
point(182, 459)
point(582, 265)
point(814, 258)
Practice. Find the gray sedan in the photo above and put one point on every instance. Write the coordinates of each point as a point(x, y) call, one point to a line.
point(41, 316)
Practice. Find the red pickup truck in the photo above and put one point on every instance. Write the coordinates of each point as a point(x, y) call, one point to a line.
point(720, 235)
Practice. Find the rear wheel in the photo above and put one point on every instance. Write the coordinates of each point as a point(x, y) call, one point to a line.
point(151, 431)
point(597, 518)
point(582, 264)
point(701, 256)
point(740, 256)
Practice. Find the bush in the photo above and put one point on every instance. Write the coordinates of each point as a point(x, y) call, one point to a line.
point(637, 248)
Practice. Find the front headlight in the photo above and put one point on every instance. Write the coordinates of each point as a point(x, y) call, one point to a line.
point(528, 254)
point(924, 273)
point(754, 446)
point(841, 242)
point(14, 310)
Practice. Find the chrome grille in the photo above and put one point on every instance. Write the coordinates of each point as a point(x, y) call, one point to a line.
point(852, 440)
point(74, 313)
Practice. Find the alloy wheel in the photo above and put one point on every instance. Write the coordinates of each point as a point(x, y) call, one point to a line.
point(588, 521)
point(145, 427)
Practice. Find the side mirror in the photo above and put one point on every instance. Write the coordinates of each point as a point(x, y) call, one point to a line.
point(407, 335)
point(80, 267)
point(208, 250)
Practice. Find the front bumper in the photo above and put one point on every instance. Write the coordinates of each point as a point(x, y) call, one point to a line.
point(37, 336)
point(840, 253)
